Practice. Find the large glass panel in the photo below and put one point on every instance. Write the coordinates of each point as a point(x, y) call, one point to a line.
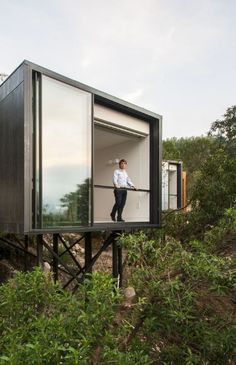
point(66, 154)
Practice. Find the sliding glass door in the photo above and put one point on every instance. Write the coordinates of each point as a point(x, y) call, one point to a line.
point(64, 155)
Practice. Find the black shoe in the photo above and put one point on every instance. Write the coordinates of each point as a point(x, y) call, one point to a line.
point(113, 217)
point(120, 220)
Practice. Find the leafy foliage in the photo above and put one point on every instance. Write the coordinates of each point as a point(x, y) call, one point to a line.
point(181, 317)
point(225, 130)
point(42, 324)
point(211, 174)
point(193, 151)
point(215, 186)
point(183, 314)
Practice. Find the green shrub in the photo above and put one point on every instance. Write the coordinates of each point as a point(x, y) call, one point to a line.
point(42, 324)
point(185, 311)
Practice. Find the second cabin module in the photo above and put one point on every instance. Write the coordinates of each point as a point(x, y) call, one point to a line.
point(172, 186)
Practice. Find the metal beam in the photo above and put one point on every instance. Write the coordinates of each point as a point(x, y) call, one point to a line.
point(39, 240)
point(88, 252)
point(26, 253)
point(55, 258)
point(45, 244)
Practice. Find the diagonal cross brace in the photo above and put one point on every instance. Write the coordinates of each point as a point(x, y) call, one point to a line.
point(105, 245)
point(60, 260)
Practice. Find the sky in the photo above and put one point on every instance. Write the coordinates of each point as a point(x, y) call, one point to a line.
point(176, 58)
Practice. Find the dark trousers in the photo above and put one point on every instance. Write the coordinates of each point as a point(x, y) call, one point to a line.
point(120, 200)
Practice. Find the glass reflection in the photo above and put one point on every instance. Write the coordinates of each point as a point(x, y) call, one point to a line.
point(66, 154)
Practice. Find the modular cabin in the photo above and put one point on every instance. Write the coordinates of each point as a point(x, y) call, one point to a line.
point(172, 185)
point(60, 143)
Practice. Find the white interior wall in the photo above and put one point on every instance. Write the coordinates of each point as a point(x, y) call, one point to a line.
point(169, 185)
point(165, 186)
point(173, 187)
point(173, 202)
point(173, 182)
point(136, 152)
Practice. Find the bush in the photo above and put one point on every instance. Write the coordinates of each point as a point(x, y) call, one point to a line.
point(185, 312)
point(42, 324)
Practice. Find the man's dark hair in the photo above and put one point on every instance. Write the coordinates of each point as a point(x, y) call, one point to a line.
point(122, 160)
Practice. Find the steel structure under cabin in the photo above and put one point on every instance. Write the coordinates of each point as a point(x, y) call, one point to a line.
point(60, 143)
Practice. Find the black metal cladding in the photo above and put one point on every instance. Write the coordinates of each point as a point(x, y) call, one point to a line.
point(37, 151)
point(12, 153)
point(18, 208)
point(179, 185)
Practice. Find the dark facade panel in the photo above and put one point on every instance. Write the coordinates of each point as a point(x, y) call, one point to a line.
point(12, 160)
point(179, 186)
point(155, 163)
point(12, 82)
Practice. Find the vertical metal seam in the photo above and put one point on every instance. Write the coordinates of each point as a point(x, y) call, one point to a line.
point(40, 223)
point(92, 165)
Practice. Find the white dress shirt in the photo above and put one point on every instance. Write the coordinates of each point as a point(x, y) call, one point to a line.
point(121, 179)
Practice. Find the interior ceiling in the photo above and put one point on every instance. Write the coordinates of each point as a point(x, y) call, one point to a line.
point(105, 137)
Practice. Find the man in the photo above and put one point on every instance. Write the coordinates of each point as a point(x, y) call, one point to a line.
point(121, 182)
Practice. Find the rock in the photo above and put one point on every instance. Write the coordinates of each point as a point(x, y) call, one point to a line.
point(47, 271)
point(46, 267)
point(129, 293)
point(79, 249)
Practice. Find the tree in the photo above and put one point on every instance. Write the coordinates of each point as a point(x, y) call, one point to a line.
point(193, 151)
point(215, 186)
point(211, 166)
point(225, 130)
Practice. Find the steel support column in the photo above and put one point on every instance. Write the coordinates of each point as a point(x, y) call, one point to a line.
point(115, 270)
point(120, 265)
point(40, 250)
point(26, 239)
point(117, 260)
point(88, 252)
point(55, 258)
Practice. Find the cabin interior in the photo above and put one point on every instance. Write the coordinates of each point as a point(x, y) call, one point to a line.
point(117, 136)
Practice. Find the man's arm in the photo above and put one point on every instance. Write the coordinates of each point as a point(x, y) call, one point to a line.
point(129, 182)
